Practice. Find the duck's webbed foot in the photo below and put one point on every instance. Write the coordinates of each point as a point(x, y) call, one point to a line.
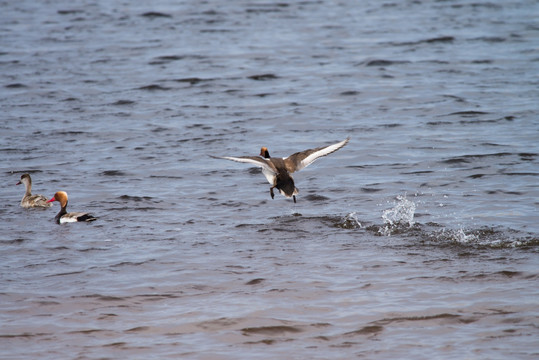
point(271, 192)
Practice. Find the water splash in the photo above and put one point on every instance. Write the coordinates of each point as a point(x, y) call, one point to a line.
point(486, 237)
point(350, 221)
point(400, 215)
point(458, 236)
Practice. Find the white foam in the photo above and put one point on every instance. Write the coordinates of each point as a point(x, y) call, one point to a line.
point(402, 213)
point(350, 221)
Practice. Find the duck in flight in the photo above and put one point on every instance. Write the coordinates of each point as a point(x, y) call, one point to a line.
point(278, 170)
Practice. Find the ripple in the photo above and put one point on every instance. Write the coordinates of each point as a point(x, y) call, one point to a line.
point(263, 77)
point(383, 63)
point(434, 40)
point(15, 86)
point(154, 87)
point(255, 281)
point(123, 102)
point(113, 173)
point(275, 330)
point(155, 14)
point(366, 330)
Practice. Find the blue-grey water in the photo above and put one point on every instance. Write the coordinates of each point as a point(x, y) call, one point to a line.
point(418, 240)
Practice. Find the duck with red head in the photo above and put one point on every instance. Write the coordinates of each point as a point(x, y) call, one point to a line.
point(264, 152)
point(29, 200)
point(278, 170)
point(63, 216)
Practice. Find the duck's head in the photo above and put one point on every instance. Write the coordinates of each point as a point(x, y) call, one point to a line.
point(61, 197)
point(264, 152)
point(25, 179)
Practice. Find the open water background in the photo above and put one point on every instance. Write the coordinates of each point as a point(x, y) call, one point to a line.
point(418, 240)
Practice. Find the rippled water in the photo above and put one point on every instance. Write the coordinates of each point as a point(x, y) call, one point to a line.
point(419, 239)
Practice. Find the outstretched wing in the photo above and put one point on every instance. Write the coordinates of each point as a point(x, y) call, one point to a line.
point(299, 160)
point(255, 160)
point(269, 171)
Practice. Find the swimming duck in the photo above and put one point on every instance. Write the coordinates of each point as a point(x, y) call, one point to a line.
point(29, 200)
point(277, 170)
point(63, 216)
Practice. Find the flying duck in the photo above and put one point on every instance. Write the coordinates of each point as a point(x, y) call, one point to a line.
point(29, 200)
point(277, 170)
point(63, 216)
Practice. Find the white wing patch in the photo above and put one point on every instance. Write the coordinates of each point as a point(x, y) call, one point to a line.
point(264, 164)
point(271, 176)
point(322, 152)
point(267, 169)
point(250, 160)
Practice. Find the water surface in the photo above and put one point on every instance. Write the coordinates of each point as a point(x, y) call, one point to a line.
point(417, 240)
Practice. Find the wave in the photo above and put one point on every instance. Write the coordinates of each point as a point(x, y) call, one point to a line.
point(399, 221)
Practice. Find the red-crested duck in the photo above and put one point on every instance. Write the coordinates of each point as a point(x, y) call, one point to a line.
point(63, 216)
point(277, 170)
